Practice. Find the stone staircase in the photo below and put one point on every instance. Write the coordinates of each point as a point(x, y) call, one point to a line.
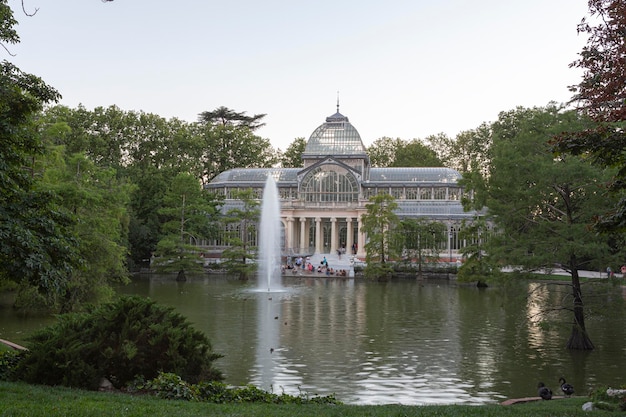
point(334, 261)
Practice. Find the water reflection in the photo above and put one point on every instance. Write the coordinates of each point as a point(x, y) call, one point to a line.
point(400, 342)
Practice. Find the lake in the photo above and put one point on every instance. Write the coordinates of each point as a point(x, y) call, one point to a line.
point(404, 341)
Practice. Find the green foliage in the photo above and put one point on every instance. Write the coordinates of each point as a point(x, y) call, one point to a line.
point(415, 153)
point(379, 223)
point(603, 401)
point(421, 240)
point(99, 203)
point(189, 212)
point(172, 387)
point(9, 360)
point(292, 158)
point(119, 341)
point(38, 247)
point(240, 230)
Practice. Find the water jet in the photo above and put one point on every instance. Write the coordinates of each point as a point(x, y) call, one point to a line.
point(269, 275)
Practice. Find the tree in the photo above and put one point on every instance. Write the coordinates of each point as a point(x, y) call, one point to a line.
point(470, 151)
point(121, 341)
point(190, 212)
point(292, 158)
point(38, 248)
point(542, 206)
point(379, 223)
point(240, 234)
point(601, 95)
point(441, 144)
point(223, 116)
point(476, 267)
point(415, 154)
point(227, 147)
point(8, 34)
point(99, 201)
point(383, 151)
point(422, 240)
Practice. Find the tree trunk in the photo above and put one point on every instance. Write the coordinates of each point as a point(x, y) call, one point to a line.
point(579, 339)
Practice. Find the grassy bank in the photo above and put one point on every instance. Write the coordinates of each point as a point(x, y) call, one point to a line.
point(17, 399)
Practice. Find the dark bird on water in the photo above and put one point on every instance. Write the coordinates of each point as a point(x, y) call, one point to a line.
point(544, 392)
point(568, 389)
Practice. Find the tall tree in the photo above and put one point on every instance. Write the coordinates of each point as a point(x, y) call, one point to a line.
point(190, 213)
point(383, 151)
point(37, 246)
point(240, 228)
point(226, 147)
point(414, 153)
point(601, 94)
point(292, 158)
point(223, 116)
point(99, 201)
point(470, 151)
point(422, 240)
point(379, 223)
point(542, 206)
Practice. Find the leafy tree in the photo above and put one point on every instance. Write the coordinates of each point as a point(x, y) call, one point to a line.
point(441, 144)
point(120, 341)
point(226, 147)
point(292, 158)
point(99, 202)
point(240, 230)
point(542, 206)
point(8, 34)
point(223, 116)
point(602, 92)
point(422, 240)
point(476, 267)
point(415, 154)
point(470, 151)
point(383, 151)
point(601, 95)
point(189, 212)
point(37, 246)
point(379, 223)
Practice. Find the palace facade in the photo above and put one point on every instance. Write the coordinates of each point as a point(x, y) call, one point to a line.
point(322, 203)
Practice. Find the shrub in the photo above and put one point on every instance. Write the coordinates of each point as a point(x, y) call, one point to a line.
point(172, 387)
point(8, 363)
point(120, 341)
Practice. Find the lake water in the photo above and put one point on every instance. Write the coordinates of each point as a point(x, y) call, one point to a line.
point(404, 341)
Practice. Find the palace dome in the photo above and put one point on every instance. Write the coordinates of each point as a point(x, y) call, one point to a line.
point(335, 137)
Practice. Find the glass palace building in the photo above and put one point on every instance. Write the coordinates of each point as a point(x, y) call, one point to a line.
point(322, 203)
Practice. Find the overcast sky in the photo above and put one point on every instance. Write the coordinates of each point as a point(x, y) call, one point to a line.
point(403, 69)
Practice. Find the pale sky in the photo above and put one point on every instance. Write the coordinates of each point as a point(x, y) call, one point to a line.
point(403, 68)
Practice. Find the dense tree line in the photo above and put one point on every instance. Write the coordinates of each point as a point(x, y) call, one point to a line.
point(86, 195)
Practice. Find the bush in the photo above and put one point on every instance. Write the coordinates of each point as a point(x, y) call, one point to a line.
point(172, 387)
point(8, 363)
point(120, 341)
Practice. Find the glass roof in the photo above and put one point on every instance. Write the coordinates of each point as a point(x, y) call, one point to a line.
point(440, 175)
point(253, 175)
point(335, 137)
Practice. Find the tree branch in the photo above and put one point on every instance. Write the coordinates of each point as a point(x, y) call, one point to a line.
point(26, 13)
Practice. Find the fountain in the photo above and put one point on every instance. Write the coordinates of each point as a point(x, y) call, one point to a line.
point(269, 276)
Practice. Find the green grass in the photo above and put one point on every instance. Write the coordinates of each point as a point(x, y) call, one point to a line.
point(18, 399)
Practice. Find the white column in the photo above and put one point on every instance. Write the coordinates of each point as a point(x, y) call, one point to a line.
point(318, 235)
point(333, 235)
point(302, 235)
point(349, 234)
point(289, 235)
point(361, 243)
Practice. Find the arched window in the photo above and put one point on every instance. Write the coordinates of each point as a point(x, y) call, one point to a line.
point(331, 184)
